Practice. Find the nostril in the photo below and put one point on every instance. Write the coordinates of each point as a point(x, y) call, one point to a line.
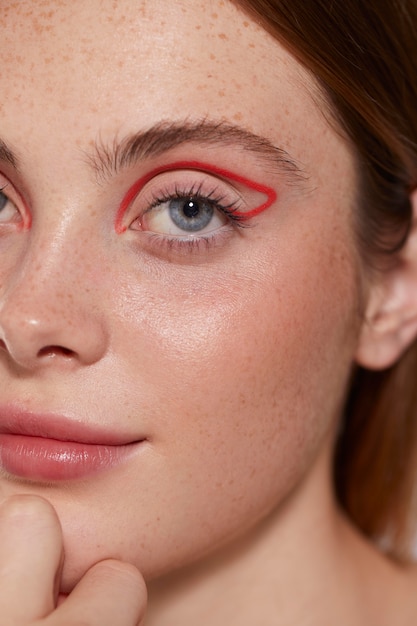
point(52, 351)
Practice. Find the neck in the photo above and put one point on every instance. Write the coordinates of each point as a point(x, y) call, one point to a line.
point(304, 564)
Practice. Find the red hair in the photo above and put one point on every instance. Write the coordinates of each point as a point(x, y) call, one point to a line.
point(363, 54)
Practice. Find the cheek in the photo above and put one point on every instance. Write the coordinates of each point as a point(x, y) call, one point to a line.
point(243, 377)
point(226, 343)
point(237, 373)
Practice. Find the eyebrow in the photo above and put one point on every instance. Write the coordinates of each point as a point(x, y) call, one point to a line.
point(108, 160)
point(6, 155)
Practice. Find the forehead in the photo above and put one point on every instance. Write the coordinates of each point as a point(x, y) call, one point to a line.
point(77, 74)
point(188, 57)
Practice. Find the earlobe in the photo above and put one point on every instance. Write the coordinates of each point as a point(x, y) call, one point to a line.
point(390, 321)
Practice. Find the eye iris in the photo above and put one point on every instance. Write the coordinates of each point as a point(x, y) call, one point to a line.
point(3, 200)
point(190, 214)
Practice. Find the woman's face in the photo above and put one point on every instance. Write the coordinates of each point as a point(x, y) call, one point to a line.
point(148, 294)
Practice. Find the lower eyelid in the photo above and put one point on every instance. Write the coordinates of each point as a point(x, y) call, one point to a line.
point(183, 247)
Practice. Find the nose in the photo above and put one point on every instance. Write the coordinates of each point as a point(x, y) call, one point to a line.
point(49, 314)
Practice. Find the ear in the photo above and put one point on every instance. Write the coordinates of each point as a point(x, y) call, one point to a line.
point(390, 323)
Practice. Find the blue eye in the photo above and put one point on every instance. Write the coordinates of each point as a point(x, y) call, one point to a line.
point(13, 210)
point(3, 200)
point(185, 207)
point(9, 212)
point(191, 214)
point(186, 215)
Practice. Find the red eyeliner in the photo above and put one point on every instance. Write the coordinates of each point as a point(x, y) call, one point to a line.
point(27, 218)
point(270, 193)
point(26, 223)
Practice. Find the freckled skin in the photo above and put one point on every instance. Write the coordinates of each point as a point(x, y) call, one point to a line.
point(235, 367)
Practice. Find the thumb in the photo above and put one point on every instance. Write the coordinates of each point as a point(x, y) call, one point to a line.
point(111, 592)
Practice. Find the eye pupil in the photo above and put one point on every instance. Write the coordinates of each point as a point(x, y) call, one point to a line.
point(191, 208)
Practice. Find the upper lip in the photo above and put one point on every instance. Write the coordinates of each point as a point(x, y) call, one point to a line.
point(17, 421)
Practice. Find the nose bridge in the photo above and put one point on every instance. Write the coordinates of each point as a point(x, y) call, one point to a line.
point(49, 269)
point(59, 259)
point(49, 304)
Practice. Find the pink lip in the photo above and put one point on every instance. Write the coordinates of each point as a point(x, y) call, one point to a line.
point(53, 448)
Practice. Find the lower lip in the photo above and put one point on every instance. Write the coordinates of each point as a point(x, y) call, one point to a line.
point(39, 458)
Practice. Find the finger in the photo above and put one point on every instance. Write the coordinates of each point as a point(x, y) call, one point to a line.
point(30, 557)
point(110, 593)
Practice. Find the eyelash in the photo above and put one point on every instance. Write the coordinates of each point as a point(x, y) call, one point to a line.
point(217, 201)
point(198, 242)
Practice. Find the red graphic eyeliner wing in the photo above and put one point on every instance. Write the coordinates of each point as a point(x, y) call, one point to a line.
point(195, 165)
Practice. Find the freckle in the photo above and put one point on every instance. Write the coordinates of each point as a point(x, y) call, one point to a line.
point(198, 27)
point(238, 117)
point(246, 24)
point(221, 93)
point(212, 56)
point(223, 36)
point(251, 45)
point(214, 16)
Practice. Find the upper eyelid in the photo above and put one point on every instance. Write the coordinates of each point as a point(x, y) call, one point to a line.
point(134, 190)
point(203, 189)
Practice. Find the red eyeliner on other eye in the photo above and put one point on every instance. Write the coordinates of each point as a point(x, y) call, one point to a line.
point(27, 217)
point(27, 222)
point(195, 165)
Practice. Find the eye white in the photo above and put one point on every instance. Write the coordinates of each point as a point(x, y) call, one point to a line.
point(8, 209)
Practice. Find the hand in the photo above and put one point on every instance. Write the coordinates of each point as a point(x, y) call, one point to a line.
point(31, 559)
